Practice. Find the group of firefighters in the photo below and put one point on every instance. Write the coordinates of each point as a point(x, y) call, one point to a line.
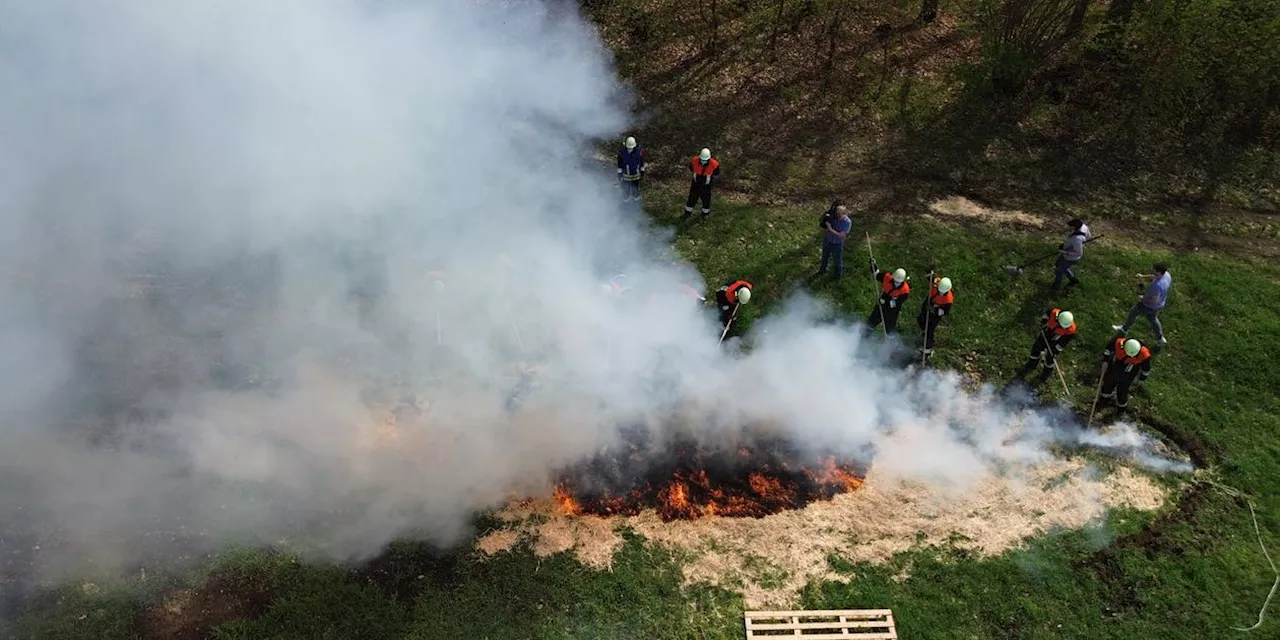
point(1125, 360)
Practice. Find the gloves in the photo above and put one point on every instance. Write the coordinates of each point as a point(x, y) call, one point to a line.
point(708, 181)
point(893, 304)
point(941, 312)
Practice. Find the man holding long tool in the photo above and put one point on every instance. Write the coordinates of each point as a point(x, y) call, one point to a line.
point(1125, 360)
point(936, 307)
point(1057, 329)
point(1070, 252)
point(728, 298)
point(894, 290)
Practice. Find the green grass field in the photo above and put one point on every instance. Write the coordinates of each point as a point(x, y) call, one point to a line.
point(1191, 571)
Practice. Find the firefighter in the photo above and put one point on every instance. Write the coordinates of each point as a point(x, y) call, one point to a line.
point(704, 168)
point(936, 307)
point(894, 290)
point(1125, 360)
point(729, 297)
point(630, 169)
point(1057, 330)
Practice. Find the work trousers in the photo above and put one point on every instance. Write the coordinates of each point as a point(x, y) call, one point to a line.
point(832, 252)
point(698, 192)
point(928, 322)
point(630, 190)
point(1150, 314)
point(1117, 387)
point(1063, 268)
point(1038, 348)
point(883, 312)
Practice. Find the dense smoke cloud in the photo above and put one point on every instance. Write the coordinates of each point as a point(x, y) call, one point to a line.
point(218, 221)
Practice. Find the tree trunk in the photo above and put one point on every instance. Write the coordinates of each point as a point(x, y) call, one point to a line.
point(1118, 11)
point(777, 22)
point(1076, 22)
point(928, 11)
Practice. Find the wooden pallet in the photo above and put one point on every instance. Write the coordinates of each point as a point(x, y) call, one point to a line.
point(848, 624)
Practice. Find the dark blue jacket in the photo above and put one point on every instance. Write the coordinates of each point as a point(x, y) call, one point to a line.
point(631, 163)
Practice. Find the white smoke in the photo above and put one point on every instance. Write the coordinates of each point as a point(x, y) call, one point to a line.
point(217, 224)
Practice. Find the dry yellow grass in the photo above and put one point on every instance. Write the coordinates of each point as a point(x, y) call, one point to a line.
point(770, 559)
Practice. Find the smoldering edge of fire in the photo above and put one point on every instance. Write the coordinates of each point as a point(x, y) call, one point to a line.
point(217, 221)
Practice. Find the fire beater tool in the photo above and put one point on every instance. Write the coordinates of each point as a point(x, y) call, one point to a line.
point(1017, 271)
point(928, 317)
point(879, 306)
point(1097, 394)
point(1054, 358)
point(728, 324)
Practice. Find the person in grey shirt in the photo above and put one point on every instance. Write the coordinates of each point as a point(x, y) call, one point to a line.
point(1069, 253)
point(1152, 301)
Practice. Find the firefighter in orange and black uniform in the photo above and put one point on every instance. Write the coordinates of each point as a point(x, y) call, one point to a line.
point(894, 290)
point(1057, 329)
point(729, 297)
point(704, 168)
point(1126, 361)
point(935, 308)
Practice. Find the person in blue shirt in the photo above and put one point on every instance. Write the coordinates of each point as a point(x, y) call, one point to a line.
point(834, 232)
point(1152, 301)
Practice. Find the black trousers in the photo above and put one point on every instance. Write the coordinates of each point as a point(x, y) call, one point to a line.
point(928, 322)
point(1117, 387)
point(889, 315)
point(630, 190)
point(698, 192)
point(1037, 349)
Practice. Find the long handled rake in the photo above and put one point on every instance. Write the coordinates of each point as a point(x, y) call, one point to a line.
point(1054, 359)
point(1017, 271)
point(732, 317)
point(928, 317)
point(1097, 394)
point(879, 305)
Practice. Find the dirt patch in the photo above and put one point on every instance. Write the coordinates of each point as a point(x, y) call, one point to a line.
point(1201, 454)
point(1153, 539)
point(962, 208)
point(192, 614)
point(770, 559)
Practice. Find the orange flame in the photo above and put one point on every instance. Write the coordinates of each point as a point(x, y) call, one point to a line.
point(565, 499)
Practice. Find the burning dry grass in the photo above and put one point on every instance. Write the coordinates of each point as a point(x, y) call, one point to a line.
point(770, 559)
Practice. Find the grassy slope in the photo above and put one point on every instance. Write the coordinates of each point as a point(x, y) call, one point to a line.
point(1187, 573)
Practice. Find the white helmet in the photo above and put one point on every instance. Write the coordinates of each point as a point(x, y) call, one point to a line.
point(1065, 319)
point(705, 155)
point(744, 295)
point(629, 143)
point(944, 285)
point(899, 275)
point(1132, 347)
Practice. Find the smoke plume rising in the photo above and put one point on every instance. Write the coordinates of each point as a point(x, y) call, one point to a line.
point(218, 224)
